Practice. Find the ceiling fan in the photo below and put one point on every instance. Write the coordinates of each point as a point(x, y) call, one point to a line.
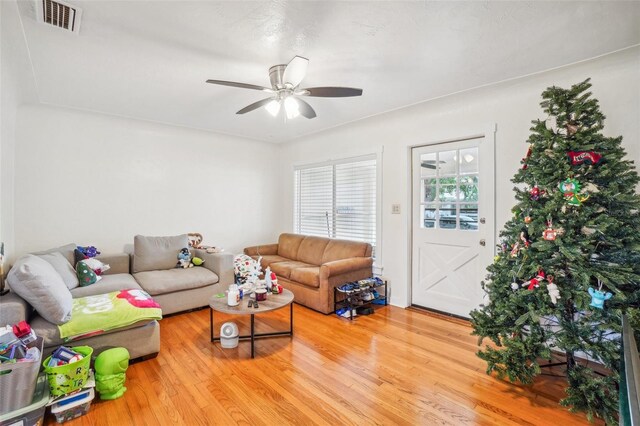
point(285, 90)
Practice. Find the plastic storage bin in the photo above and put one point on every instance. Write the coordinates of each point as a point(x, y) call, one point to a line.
point(18, 381)
point(33, 414)
point(64, 379)
point(73, 406)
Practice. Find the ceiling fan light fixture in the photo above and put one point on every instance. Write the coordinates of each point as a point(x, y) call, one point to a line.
point(273, 107)
point(291, 107)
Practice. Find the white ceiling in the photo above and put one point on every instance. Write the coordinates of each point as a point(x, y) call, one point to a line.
point(150, 59)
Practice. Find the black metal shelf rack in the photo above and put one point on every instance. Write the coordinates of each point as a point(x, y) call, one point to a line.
point(352, 299)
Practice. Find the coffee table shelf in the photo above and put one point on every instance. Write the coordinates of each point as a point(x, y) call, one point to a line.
point(273, 302)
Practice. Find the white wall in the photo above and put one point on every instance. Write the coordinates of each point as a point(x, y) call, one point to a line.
point(96, 179)
point(511, 105)
point(17, 87)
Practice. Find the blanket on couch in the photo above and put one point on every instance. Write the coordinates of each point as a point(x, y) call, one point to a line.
point(94, 315)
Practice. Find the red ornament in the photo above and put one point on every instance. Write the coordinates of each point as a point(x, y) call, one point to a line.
point(549, 234)
point(588, 157)
point(515, 249)
point(536, 192)
point(535, 281)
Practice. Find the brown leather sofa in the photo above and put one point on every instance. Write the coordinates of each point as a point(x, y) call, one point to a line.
point(312, 266)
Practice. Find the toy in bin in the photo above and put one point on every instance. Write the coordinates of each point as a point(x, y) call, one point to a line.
point(68, 369)
point(111, 367)
point(73, 406)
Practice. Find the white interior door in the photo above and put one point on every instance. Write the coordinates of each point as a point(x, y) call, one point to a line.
point(453, 227)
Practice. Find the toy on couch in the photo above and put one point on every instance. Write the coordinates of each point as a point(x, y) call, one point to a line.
point(111, 367)
point(88, 251)
point(184, 259)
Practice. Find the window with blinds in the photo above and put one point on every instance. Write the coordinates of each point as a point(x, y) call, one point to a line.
point(337, 200)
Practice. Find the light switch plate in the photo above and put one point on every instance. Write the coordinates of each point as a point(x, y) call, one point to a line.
point(395, 208)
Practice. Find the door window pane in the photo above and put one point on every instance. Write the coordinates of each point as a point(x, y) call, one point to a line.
point(428, 164)
point(447, 163)
point(469, 188)
point(469, 217)
point(468, 160)
point(447, 216)
point(429, 212)
point(429, 187)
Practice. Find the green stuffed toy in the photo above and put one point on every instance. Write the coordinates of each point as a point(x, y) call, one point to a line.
point(111, 366)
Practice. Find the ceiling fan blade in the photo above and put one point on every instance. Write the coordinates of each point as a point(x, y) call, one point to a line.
point(240, 85)
point(254, 105)
point(305, 109)
point(295, 71)
point(332, 92)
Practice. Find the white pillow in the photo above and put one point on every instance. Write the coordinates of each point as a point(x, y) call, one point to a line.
point(35, 280)
point(62, 267)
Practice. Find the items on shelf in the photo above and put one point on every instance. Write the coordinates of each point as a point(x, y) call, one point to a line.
point(354, 298)
point(68, 369)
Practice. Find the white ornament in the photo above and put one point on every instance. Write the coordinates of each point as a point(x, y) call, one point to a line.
point(514, 286)
point(554, 293)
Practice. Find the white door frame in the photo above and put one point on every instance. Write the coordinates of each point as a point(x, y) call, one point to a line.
point(488, 132)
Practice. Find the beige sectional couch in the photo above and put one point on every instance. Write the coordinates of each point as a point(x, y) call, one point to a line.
point(174, 289)
point(312, 266)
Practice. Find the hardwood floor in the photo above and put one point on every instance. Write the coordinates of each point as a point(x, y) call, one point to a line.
point(397, 366)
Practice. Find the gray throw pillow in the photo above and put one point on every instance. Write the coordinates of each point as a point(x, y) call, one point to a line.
point(66, 251)
point(157, 253)
point(35, 280)
point(62, 267)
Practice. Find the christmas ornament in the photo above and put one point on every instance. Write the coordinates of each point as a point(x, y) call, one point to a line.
point(535, 281)
point(587, 157)
point(526, 157)
point(598, 297)
point(527, 218)
point(514, 285)
point(551, 123)
point(504, 247)
point(535, 193)
point(570, 188)
point(515, 249)
point(524, 237)
point(552, 288)
point(549, 234)
point(572, 128)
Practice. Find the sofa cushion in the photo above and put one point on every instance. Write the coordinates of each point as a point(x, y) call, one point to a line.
point(35, 280)
point(157, 253)
point(176, 279)
point(283, 269)
point(269, 259)
point(107, 284)
point(343, 249)
point(308, 276)
point(66, 251)
point(311, 250)
point(62, 267)
point(51, 333)
point(288, 245)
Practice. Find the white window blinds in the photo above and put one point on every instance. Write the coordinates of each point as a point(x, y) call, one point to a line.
point(337, 200)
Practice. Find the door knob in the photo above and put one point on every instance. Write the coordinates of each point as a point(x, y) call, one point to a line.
point(483, 242)
point(483, 220)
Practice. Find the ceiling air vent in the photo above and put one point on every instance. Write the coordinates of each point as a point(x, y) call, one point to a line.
point(59, 14)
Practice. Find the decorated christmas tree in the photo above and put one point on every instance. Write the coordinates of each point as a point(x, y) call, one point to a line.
point(568, 265)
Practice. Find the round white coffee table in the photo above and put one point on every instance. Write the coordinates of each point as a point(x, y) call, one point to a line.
point(273, 302)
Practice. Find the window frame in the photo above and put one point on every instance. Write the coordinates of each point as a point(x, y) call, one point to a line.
point(377, 156)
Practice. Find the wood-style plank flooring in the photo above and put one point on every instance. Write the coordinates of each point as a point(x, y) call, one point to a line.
point(396, 367)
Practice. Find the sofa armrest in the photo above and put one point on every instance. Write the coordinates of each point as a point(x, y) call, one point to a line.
point(13, 309)
point(119, 263)
point(341, 266)
point(265, 249)
point(220, 263)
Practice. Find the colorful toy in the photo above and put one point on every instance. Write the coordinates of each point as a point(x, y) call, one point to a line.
point(549, 234)
point(524, 237)
point(598, 297)
point(89, 251)
point(197, 261)
point(184, 259)
point(111, 367)
point(535, 281)
point(246, 269)
point(85, 274)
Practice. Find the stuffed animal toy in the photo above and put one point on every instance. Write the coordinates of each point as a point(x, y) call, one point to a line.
point(553, 290)
point(89, 251)
point(111, 367)
point(197, 261)
point(98, 267)
point(184, 259)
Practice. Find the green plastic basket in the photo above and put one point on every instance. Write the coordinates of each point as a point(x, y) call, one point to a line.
point(64, 379)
